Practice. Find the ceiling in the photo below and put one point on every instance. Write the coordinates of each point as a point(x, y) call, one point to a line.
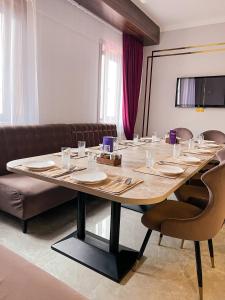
point(177, 14)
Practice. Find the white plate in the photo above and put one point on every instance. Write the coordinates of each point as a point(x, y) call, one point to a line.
point(40, 165)
point(90, 177)
point(170, 170)
point(190, 159)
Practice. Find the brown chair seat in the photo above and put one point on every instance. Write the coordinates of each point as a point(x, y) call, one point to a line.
point(167, 210)
point(25, 197)
point(21, 280)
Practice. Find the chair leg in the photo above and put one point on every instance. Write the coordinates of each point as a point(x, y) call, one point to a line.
point(24, 225)
point(182, 244)
point(199, 268)
point(160, 239)
point(144, 244)
point(211, 252)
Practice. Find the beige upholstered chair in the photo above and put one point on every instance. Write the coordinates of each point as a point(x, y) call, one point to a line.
point(196, 195)
point(186, 221)
point(184, 133)
point(214, 135)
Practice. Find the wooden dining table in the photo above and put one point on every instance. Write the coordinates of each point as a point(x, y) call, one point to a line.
point(108, 257)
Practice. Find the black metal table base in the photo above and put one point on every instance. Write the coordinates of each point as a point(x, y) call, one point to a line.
point(105, 257)
point(93, 252)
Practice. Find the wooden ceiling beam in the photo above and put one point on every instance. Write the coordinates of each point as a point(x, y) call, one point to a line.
point(125, 16)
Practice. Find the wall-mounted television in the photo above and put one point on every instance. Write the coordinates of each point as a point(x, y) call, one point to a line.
point(206, 91)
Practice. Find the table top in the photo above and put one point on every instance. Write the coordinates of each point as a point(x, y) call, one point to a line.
point(153, 189)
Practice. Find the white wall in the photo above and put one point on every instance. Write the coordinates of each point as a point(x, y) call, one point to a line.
point(68, 57)
point(163, 114)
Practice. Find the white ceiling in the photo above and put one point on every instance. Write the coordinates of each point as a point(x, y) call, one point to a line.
point(177, 14)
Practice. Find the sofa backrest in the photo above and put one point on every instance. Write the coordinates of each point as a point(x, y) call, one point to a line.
point(25, 141)
point(92, 133)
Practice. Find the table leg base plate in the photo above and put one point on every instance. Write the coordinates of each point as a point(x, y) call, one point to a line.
point(93, 252)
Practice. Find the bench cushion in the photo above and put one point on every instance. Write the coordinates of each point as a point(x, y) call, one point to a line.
point(25, 197)
point(21, 280)
point(26, 141)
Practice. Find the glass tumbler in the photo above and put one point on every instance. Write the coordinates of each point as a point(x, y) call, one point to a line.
point(81, 148)
point(176, 150)
point(66, 155)
point(149, 159)
point(91, 161)
point(136, 138)
point(154, 136)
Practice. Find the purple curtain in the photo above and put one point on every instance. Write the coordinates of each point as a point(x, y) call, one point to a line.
point(132, 70)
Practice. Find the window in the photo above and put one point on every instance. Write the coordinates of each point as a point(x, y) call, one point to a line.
point(18, 74)
point(110, 108)
point(1, 65)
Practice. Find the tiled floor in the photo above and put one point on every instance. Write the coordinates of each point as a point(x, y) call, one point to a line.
point(167, 272)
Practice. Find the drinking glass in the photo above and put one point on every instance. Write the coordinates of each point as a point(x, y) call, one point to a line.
point(81, 148)
point(190, 144)
point(91, 161)
point(200, 139)
point(154, 136)
point(149, 159)
point(66, 155)
point(136, 138)
point(115, 144)
point(176, 150)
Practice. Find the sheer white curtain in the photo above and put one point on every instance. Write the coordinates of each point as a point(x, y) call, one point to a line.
point(111, 85)
point(186, 97)
point(18, 86)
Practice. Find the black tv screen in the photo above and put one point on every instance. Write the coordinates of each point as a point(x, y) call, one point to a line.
point(200, 91)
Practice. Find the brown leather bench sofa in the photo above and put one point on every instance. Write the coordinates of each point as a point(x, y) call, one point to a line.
point(21, 280)
point(25, 197)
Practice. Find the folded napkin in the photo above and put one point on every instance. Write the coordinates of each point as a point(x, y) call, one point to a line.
point(155, 172)
point(115, 185)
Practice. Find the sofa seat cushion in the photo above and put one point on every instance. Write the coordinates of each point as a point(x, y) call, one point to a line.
point(21, 280)
point(25, 197)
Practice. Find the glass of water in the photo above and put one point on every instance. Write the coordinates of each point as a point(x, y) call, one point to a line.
point(81, 148)
point(149, 158)
point(176, 150)
point(191, 144)
point(66, 155)
point(154, 136)
point(200, 139)
point(91, 161)
point(115, 144)
point(136, 138)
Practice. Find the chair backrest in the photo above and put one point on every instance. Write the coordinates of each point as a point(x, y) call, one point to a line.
point(221, 155)
point(214, 214)
point(214, 135)
point(184, 133)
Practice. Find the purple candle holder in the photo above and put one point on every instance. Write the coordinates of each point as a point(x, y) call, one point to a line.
point(108, 140)
point(173, 137)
